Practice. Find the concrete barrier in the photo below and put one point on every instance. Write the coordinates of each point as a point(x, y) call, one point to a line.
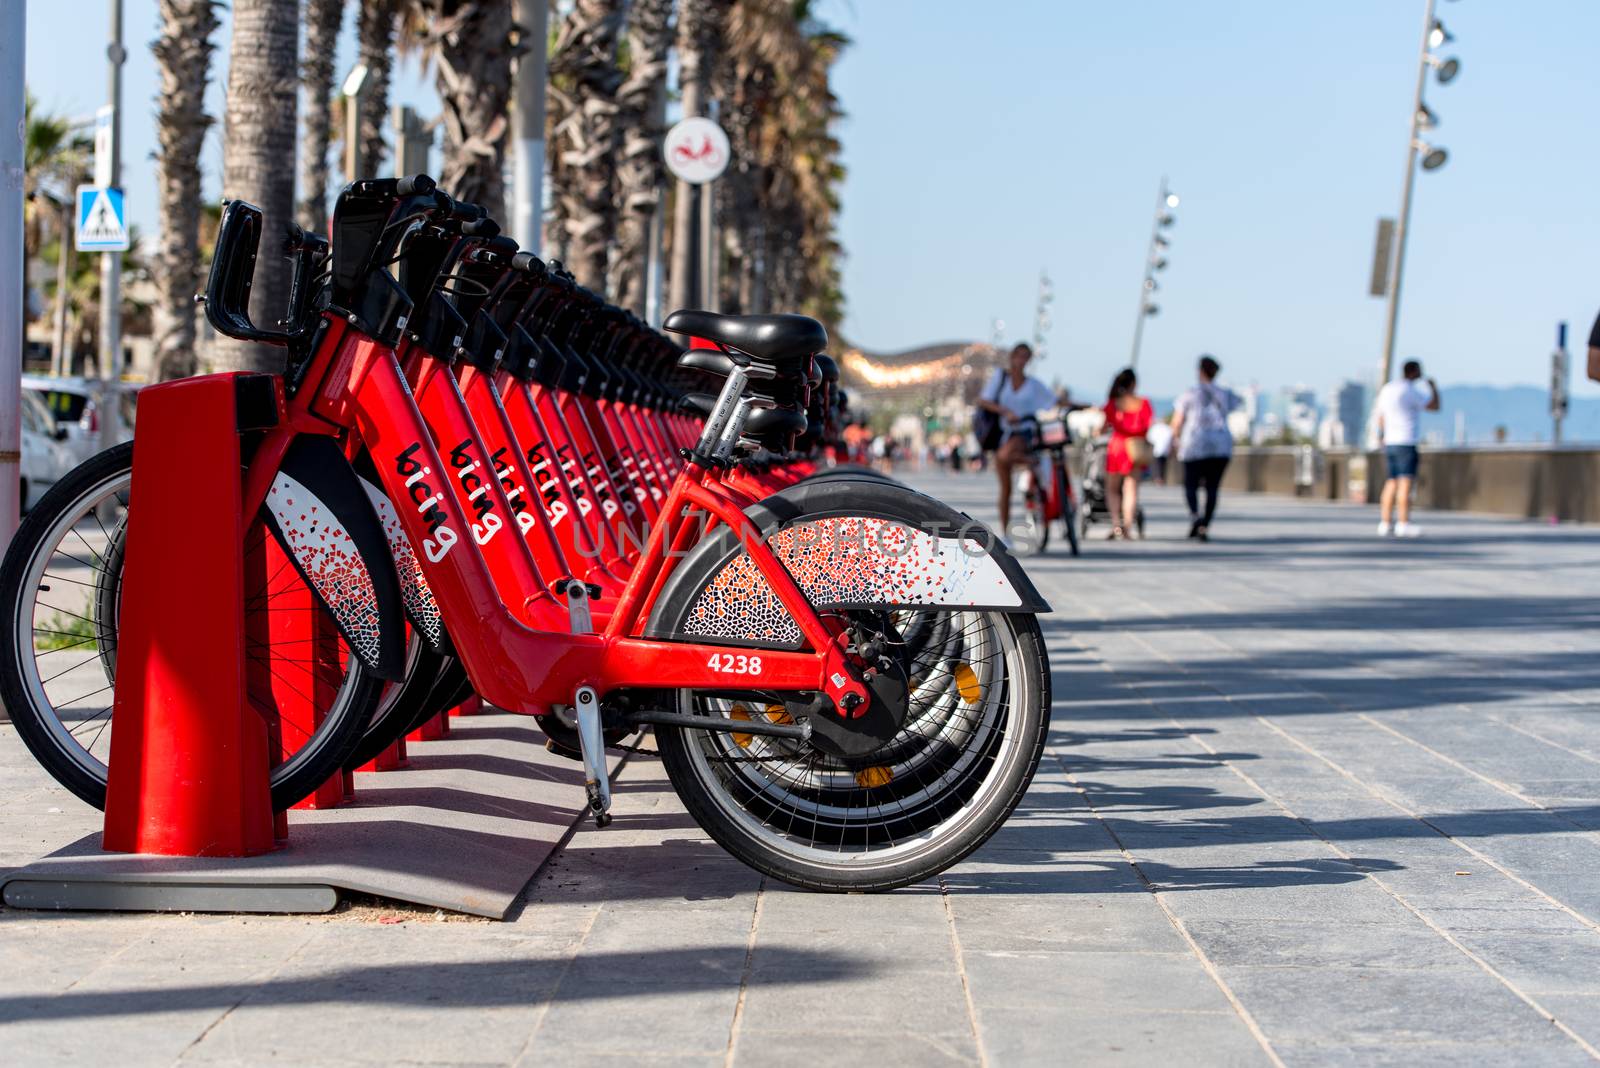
point(1529, 482)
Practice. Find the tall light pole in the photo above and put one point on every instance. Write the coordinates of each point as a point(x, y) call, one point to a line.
point(111, 262)
point(1434, 35)
point(527, 147)
point(1041, 313)
point(13, 43)
point(1155, 260)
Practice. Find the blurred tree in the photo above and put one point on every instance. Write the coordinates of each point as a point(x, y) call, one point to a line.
point(701, 27)
point(585, 135)
point(322, 18)
point(375, 30)
point(641, 175)
point(183, 57)
point(258, 157)
point(780, 198)
point(469, 45)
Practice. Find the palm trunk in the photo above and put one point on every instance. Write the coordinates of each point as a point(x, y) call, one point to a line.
point(584, 81)
point(375, 28)
point(316, 75)
point(472, 61)
point(700, 30)
point(258, 152)
point(183, 54)
point(640, 173)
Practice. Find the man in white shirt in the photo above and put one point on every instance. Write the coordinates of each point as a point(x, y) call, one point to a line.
point(1399, 410)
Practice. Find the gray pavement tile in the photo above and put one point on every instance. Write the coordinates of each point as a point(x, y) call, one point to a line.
point(1128, 982)
point(1069, 1033)
point(641, 1023)
point(780, 998)
point(832, 1043)
point(1372, 1006)
point(1323, 943)
point(1541, 962)
point(1580, 1012)
point(1554, 1051)
point(1106, 923)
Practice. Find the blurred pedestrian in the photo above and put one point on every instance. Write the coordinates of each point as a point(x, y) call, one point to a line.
point(1399, 409)
point(1205, 444)
point(1014, 396)
point(1129, 416)
point(1594, 350)
point(1160, 447)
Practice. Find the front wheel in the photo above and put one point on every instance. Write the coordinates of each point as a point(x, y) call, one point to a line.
point(1036, 514)
point(979, 712)
point(1069, 507)
point(60, 599)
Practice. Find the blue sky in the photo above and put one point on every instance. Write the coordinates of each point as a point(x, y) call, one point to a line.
point(987, 141)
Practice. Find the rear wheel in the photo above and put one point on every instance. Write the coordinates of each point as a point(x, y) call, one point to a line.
point(1036, 515)
point(979, 713)
point(60, 588)
point(1069, 507)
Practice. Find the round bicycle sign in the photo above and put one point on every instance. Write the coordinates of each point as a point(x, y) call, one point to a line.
point(696, 151)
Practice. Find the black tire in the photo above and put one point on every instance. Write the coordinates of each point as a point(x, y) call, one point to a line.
point(1006, 750)
point(1036, 507)
point(400, 702)
point(1069, 508)
point(44, 731)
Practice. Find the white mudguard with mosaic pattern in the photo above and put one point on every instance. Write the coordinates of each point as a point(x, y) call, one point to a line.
point(847, 543)
point(328, 558)
point(421, 607)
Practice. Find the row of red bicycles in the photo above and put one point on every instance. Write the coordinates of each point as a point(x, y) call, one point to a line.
point(474, 476)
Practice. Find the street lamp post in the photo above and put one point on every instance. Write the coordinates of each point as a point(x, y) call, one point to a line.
point(1155, 260)
point(1041, 313)
point(1434, 35)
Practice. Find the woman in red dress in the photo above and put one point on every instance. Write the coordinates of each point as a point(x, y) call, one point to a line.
point(1129, 416)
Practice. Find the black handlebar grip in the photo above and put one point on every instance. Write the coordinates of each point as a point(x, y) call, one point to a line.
point(480, 227)
point(528, 263)
point(415, 185)
point(502, 245)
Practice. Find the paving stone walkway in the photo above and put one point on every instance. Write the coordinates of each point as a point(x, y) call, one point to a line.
point(1310, 798)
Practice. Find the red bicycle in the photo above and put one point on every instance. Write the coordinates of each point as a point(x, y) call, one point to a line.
point(846, 678)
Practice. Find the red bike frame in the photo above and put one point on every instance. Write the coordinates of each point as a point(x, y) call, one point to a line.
point(515, 654)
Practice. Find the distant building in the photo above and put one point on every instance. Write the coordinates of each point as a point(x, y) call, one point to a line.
point(1349, 422)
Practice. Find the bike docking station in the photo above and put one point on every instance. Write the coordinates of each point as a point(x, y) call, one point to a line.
point(189, 821)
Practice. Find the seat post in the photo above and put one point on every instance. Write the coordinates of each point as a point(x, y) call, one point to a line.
point(723, 410)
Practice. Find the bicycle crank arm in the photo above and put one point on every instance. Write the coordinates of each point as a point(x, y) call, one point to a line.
point(799, 733)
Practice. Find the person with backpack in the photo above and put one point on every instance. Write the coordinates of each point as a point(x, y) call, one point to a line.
point(1205, 444)
point(1008, 401)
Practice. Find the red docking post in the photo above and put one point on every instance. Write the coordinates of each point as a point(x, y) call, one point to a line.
point(190, 752)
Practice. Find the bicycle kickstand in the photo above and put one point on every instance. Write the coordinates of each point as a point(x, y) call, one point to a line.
point(586, 707)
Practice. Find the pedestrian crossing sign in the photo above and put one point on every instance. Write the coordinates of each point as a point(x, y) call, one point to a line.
point(100, 220)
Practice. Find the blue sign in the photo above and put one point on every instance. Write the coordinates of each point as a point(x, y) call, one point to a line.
point(101, 227)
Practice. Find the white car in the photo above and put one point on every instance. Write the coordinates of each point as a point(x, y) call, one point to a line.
point(74, 403)
point(45, 454)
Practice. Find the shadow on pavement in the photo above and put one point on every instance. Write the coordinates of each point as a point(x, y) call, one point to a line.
point(465, 984)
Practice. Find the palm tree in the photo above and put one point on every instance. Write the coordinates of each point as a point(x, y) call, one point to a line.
point(183, 54)
point(323, 18)
point(470, 47)
point(701, 24)
point(54, 161)
point(780, 197)
point(375, 27)
point(258, 138)
point(584, 80)
point(641, 103)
